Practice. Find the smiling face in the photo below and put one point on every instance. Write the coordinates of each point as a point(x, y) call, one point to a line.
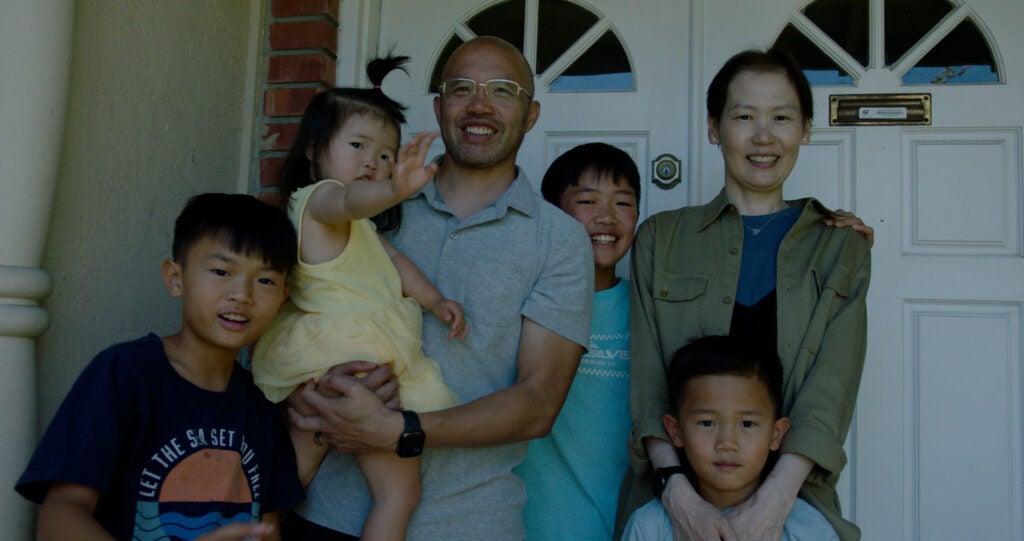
point(363, 149)
point(228, 298)
point(480, 132)
point(608, 209)
point(760, 132)
point(726, 426)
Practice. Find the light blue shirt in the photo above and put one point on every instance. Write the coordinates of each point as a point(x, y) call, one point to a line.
point(804, 523)
point(573, 474)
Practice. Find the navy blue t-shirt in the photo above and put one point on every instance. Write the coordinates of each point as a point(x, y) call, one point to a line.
point(169, 459)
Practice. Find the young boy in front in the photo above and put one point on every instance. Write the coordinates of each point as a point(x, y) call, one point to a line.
point(168, 438)
point(727, 395)
point(573, 474)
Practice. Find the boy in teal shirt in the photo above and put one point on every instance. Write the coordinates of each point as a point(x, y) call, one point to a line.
point(573, 474)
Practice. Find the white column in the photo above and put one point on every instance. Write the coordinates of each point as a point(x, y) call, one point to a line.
point(35, 60)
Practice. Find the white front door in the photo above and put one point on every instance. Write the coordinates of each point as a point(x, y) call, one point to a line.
point(936, 450)
point(603, 75)
point(937, 447)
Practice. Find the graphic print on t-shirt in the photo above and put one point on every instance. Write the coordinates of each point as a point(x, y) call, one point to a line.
point(195, 483)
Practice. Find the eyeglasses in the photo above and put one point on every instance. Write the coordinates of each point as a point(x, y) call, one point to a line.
point(501, 90)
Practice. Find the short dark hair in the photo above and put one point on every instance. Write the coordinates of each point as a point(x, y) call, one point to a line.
point(326, 114)
point(725, 355)
point(602, 158)
point(774, 59)
point(247, 224)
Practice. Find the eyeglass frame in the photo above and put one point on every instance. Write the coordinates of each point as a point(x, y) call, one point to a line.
point(520, 89)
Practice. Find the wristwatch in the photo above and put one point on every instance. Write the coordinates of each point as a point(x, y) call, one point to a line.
point(660, 478)
point(410, 443)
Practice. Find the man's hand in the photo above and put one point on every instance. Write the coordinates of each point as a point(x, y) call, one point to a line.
point(354, 421)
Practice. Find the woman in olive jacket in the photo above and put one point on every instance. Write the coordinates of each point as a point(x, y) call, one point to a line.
point(752, 264)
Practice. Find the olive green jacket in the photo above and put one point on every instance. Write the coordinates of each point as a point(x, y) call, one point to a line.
point(685, 270)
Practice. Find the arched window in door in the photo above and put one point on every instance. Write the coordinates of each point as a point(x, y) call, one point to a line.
point(923, 42)
point(576, 49)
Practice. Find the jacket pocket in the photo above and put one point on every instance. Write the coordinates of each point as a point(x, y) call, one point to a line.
point(838, 281)
point(678, 287)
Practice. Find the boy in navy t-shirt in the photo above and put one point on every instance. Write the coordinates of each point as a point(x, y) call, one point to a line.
point(168, 438)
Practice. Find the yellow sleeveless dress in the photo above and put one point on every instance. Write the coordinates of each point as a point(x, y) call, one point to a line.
point(349, 308)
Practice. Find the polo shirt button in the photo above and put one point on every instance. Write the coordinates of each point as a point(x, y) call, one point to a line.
point(453, 236)
point(734, 250)
point(726, 300)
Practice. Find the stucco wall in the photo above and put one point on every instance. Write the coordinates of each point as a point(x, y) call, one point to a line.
point(160, 103)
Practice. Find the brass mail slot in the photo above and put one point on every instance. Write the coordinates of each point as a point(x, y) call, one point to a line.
point(880, 110)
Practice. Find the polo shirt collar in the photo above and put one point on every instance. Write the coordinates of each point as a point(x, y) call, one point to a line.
point(519, 196)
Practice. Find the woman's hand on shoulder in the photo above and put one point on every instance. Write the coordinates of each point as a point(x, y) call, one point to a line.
point(409, 173)
point(762, 516)
point(841, 218)
point(693, 518)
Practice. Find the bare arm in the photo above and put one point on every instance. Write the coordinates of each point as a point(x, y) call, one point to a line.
point(416, 285)
point(357, 421)
point(335, 204)
point(67, 513)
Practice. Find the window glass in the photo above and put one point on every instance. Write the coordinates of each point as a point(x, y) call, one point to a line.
point(559, 25)
point(505, 20)
point(604, 67)
point(817, 66)
point(962, 57)
point(435, 77)
point(846, 22)
point(907, 21)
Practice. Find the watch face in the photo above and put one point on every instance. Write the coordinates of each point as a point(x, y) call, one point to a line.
point(410, 444)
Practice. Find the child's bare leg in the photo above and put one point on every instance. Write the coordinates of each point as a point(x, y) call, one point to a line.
point(308, 452)
point(395, 486)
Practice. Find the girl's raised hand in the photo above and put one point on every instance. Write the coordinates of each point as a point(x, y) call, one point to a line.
point(409, 174)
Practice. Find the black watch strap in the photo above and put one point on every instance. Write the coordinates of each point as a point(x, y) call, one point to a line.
point(660, 478)
point(410, 443)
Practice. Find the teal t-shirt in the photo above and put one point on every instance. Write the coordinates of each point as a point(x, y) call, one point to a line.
point(573, 474)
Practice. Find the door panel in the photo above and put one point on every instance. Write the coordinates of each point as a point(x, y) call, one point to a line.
point(935, 452)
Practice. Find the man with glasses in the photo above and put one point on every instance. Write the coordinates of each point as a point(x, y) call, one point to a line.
point(522, 269)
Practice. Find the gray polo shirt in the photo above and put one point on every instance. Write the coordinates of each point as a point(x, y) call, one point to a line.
point(520, 257)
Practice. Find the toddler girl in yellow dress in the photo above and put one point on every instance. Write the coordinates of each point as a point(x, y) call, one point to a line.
point(348, 290)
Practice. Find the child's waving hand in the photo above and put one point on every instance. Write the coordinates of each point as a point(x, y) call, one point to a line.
point(409, 174)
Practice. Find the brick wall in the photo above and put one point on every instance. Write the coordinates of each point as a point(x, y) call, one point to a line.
point(302, 49)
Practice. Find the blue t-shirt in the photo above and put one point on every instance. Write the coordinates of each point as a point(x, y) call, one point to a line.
point(573, 474)
point(170, 460)
point(804, 523)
